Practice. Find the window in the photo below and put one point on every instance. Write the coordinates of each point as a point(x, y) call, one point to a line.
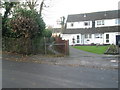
point(117, 21)
point(98, 35)
point(73, 40)
point(93, 24)
point(107, 36)
point(100, 22)
point(86, 35)
point(107, 41)
point(90, 35)
point(72, 24)
point(86, 23)
point(78, 39)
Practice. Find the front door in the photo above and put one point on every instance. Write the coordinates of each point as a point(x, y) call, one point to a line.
point(117, 39)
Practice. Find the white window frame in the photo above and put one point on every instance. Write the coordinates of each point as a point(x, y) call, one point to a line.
point(100, 22)
point(98, 35)
point(117, 21)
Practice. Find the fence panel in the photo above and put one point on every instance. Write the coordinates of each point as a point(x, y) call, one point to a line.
point(42, 45)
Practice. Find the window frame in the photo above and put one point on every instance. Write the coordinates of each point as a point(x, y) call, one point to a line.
point(100, 22)
point(117, 21)
point(98, 35)
point(86, 23)
point(107, 36)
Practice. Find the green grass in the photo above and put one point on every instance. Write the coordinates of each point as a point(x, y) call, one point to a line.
point(93, 49)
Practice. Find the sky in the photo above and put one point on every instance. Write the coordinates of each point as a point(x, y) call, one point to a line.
point(59, 8)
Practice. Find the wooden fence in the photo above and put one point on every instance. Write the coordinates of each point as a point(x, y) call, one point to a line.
point(62, 46)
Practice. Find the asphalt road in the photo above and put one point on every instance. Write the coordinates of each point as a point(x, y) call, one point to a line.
point(33, 75)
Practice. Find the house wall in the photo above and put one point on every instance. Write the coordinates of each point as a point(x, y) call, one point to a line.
point(112, 37)
point(103, 38)
point(107, 22)
point(70, 38)
point(81, 24)
point(92, 40)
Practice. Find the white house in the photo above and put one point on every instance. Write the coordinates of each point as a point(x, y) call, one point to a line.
point(92, 28)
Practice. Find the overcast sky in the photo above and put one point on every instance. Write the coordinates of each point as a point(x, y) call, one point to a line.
point(59, 8)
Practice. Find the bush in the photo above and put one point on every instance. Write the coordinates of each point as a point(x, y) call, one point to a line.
point(26, 23)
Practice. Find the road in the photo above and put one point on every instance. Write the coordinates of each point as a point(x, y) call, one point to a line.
point(33, 75)
point(75, 71)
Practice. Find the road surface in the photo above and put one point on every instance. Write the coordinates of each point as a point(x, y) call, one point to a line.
point(33, 75)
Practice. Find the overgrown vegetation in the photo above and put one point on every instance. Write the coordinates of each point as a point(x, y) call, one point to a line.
point(24, 30)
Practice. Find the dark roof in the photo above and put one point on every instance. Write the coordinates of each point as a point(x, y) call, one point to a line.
point(92, 30)
point(93, 16)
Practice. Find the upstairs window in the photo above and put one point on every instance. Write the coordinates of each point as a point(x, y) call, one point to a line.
point(87, 23)
point(93, 24)
point(117, 21)
point(100, 22)
point(72, 24)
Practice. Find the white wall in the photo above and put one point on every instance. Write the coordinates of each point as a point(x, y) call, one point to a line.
point(78, 25)
point(112, 37)
point(92, 40)
point(107, 22)
point(70, 38)
point(83, 40)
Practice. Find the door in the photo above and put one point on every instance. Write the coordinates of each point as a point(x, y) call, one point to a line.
point(117, 39)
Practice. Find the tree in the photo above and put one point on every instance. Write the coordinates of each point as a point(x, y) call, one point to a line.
point(47, 33)
point(32, 4)
point(8, 9)
point(26, 23)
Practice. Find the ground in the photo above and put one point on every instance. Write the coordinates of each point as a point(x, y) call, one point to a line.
point(79, 70)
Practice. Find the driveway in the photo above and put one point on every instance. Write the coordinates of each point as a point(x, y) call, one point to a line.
point(81, 58)
point(90, 59)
